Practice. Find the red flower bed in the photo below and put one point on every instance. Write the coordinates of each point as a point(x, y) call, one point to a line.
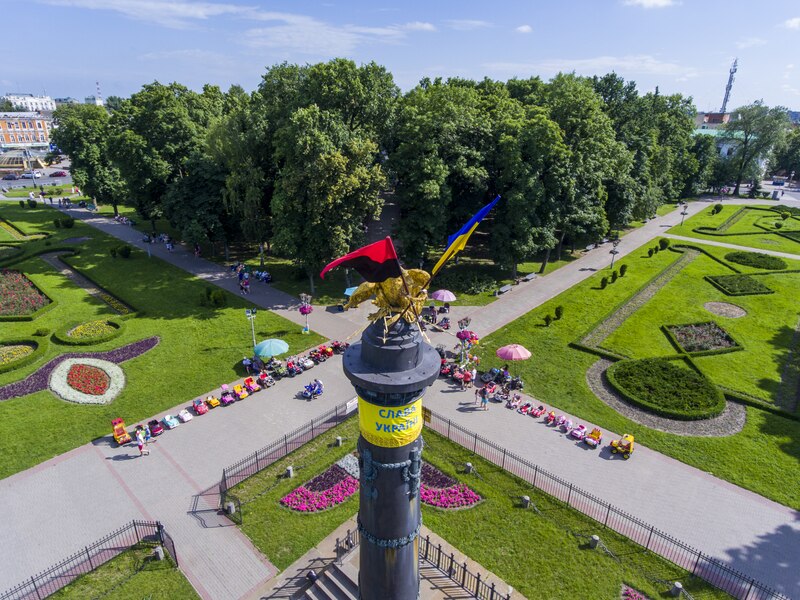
point(88, 379)
point(18, 295)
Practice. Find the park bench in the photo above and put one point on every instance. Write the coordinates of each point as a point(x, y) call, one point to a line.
point(529, 277)
point(503, 290)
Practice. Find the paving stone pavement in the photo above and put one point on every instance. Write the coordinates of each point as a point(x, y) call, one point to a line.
point(83, 494)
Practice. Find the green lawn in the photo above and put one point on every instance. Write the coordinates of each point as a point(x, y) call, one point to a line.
point(748, 229)
point(664, 209)
point(496, 533)
point(759, 458)
point(132, 574)
point(57, 190)
point(200, 347)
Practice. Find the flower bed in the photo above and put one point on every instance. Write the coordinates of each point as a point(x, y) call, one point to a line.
point(326, 490)
point(19, 296)
point(87, 380)
point(38, 381)
point(91, 332)
point(701, 337)
point(12, 353)
point(738, 285)
point(442, 491)
point(92, 329)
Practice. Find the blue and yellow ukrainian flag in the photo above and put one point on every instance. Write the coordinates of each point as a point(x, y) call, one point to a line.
point(458, 241)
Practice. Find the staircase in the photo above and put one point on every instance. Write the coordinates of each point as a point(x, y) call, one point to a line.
point(337, 582)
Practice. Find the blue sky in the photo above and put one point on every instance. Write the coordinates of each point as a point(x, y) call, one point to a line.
point(687, 46)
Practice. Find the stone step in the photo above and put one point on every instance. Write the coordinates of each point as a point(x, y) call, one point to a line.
point(343, 582)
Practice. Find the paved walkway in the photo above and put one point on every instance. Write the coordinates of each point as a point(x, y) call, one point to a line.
point(89, 491)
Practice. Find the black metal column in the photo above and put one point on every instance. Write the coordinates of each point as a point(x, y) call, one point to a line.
point(390, 371)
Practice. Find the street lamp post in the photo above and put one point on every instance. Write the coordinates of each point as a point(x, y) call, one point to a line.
point(305, 308)
point(250, 313)
point(614, 252)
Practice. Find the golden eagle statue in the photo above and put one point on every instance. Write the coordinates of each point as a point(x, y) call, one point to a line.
point(395, 297)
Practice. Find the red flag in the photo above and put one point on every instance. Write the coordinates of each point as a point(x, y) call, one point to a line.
point(375, 263)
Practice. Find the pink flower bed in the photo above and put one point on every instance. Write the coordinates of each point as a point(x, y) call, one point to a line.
point(325, 491)
point(442, 491)
point(18, 295)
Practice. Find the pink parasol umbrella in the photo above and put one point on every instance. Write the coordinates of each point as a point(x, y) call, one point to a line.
point(443, 296)
point(513, 352)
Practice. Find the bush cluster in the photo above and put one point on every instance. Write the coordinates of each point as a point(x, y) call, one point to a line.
point(757, 260)
point(663, 243)
point(124, 251)
point(738, 285)
point(214, 297)
point(662, 387)
point(467, 282)
point(65, 222)
point(32, 203)
point(716, 209)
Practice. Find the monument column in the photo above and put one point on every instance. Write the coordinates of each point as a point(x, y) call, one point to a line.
point(390, 370)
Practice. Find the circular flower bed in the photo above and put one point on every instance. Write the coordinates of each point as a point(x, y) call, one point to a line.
point(15, 352)
point(725, 309)
point(87, 380)
point(663, 387)
point(93, 329)
point(326, 490)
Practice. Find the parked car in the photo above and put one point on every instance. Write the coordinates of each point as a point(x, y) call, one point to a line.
point(29, 175)
point(11, 177)
point(58, 174)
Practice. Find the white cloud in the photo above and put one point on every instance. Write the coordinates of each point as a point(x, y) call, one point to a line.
point(750, 42)
point(467, 24)
point(626, 65)
point(418, 26)
point(792, 23)
point(524, 29)
point(650, 3)
point(169, 13)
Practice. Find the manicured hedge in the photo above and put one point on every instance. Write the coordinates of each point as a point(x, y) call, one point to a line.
point(62, 334)
point(466, 283)
point(738, 285)
point(39, 349)
point(662, 387)
point(757, 260)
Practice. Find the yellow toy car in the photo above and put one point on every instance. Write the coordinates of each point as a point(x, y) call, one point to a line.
point(120, 434)
point(240, 392)
point(623, 446)
point(212, 401)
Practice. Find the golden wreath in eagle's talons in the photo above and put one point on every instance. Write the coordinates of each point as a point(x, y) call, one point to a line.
point(391, 297)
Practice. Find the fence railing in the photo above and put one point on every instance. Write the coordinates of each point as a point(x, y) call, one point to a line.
point(261, 459)
point(707, 568)
point(90, 558)
point(447, 564)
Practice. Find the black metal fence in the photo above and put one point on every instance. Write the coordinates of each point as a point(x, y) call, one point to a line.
point(434, 555)
point(261, 459)
point(90, 558)
point(695, 562)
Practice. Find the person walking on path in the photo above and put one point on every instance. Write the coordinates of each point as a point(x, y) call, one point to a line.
point(140, 443)
point(484, 398)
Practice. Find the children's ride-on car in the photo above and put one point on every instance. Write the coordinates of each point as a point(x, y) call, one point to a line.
point(200, 407)
point(280, 371)
point(514, 401)
point(594, 438)
point(120, 433)
point(559, 421)
point(240, 392)
point(446, 369)
point(539, 411)
point(170, 422)
point(550, 418)
point(567, 425)
point(579, 432)
point(251, 386)
point(227, 397)
point(155, 427)
point(306, 363)
point(311, 391)
point(623, 446)
point(266, 380)
point(525, 408)
point(212, 401)
point(185, 416)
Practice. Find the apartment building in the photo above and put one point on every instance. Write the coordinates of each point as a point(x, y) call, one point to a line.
point(24, 130)
point(31, 102)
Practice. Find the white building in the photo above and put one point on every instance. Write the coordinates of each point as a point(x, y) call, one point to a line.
point(31, 103)
point(96, 100)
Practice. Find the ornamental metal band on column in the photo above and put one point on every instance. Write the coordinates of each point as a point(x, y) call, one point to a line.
point(390, 368)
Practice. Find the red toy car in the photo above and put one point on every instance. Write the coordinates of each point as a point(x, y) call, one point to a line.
point(200, 407)
point(155, 427)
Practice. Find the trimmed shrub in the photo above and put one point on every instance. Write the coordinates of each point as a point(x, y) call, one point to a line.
point(717, 209)
point(124, 251)
point(57, 223)
point(663, 243)
point(757, 260)
point(218, 298)
point(614, 275)
point(785, 215)
point(655, 249)
point(32, 203)
point(622, 270)
point(650, 252)
point(113, 251)
point(547, 320)
point(778, 225)
point(41, 332)
point(663, 387)
point(604, 282)
point(559, 312)
point(22, 203)
point(67, 222)
point(738, 285)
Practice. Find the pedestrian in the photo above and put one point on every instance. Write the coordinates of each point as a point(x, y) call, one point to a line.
point(147, 434)
point(196, 250)
point(484, 398)
point(140, 443)
point(782, 193)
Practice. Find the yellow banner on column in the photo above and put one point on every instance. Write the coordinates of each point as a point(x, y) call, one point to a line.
point(390, 427)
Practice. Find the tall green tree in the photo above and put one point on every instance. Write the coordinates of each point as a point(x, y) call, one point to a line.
point(327, 190)
point(787, 155)
point(753, 132)
point(83, 132)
